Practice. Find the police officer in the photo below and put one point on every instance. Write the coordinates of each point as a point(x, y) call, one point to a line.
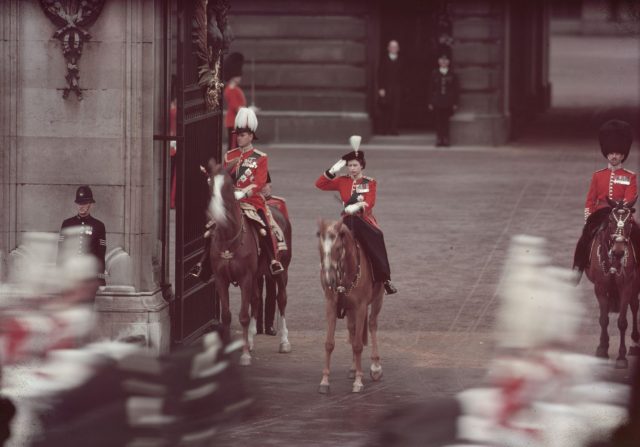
point(613, 182)
point(358, 194)
point(443, 96)
point(83, 234)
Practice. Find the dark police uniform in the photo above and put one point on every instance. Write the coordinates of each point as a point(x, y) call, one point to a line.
point(90, 237)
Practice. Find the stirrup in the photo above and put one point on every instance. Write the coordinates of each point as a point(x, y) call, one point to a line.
point(196, 270)
point(276, 267)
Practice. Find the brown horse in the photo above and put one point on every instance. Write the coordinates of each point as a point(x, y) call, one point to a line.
point(347, 280)
point(235, 259)
point(613, 270)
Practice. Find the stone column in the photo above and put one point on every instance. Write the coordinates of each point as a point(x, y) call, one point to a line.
point(105, 140)
point(479, 60)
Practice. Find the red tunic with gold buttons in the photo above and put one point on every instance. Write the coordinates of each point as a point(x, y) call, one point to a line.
point(353, 191)
point(619, 184)
point(249, 173)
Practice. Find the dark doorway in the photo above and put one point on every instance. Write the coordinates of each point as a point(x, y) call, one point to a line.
point(414, 24)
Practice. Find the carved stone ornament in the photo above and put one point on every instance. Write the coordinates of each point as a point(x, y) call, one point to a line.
point(72, 16)
point(210, 38)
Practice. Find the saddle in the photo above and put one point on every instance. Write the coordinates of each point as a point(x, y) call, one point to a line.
point(251, 213)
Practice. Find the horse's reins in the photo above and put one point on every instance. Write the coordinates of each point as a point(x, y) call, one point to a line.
point(617, 236)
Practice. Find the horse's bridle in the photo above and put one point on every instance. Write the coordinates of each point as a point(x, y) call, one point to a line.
point(617, 236)
point(341, 289)
point(228, 253)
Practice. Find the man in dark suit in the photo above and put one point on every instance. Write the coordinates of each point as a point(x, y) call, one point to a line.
point(443, 96)
point(83, 234)
point(390, 77)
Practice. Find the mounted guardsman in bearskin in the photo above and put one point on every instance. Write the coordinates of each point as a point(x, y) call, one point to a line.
point(614, 183)
point(249, 170)
point(358, 194)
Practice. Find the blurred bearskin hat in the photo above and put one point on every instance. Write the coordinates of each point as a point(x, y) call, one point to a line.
point(615, 136)
point(233, 66)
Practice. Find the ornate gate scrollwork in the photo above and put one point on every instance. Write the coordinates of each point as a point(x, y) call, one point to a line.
point(211, 37)
point(71, 16)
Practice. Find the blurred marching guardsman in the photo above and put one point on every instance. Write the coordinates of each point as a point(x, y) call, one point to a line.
point(443, 96)
point(233, 94)
point(613, 182)
point(390, 78)
point(248, 168)
point(358, 194)
point(89, 237)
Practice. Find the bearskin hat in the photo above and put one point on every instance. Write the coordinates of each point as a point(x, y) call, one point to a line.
point(233, 66)
point(615, 136)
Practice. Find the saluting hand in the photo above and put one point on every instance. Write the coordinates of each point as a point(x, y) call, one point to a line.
point(337, 166)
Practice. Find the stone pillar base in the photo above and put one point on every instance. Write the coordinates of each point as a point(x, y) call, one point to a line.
point(472, 129)
point(123, 313)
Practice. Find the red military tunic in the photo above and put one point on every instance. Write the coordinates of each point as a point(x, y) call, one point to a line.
point(619, 184)
point(249, 171)
point(353, 191)
point(234, 98)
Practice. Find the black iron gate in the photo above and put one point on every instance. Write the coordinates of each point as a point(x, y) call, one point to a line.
point(195, 307)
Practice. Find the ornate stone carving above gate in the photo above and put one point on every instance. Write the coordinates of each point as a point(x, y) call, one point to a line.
point(211, 37)
point(72, 17)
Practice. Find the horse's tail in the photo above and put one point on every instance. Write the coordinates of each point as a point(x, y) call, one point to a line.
point(365, 330)
point(614, 296)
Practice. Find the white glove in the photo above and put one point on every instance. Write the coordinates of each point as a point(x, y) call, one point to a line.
point(239, 194)
point(353, 208)
point(337, 166)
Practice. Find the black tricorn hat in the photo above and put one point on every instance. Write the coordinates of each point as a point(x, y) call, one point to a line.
point(84, 195)
point(615, 136)
point(233, 66)
point(353, 155)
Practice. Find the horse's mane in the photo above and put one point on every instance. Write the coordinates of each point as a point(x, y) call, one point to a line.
point(223, 204)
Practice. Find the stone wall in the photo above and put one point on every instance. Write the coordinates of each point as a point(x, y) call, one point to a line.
point(307, 61)
point(51, 145)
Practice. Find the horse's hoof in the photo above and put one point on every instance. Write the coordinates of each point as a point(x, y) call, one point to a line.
point(622, 364)
point(602, 353)
point(285, 348)
point(352, 374)
point(357, 388)
point(634, 350)
point(323, 389)
point(375, 373)
point(245, 359)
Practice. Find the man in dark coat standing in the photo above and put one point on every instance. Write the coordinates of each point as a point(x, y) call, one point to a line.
point(390, 77)
point(443, 96)
point(83, 234)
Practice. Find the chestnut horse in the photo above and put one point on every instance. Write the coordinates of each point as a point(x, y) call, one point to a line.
point(613, 269)
point(235, 259)
point(347, 280)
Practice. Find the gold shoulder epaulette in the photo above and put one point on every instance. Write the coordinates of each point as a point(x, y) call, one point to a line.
point(259, 152)
point(630, 171)
point(279, 198)
point(371, 179)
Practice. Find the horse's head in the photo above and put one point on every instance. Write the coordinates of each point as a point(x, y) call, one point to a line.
point(333, 239)
point(221, 191)
point(619, 227)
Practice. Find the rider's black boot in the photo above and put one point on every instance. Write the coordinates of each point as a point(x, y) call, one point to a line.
point(389, 288)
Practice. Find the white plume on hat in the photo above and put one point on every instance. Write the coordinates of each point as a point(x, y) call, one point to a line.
point(354, 141)
point(246, 119)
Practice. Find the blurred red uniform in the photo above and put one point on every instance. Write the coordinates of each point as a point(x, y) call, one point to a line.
point(353, 191)
point(618, 184)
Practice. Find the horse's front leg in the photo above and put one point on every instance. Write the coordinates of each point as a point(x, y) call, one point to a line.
point(621, 361)
point(222, 288)
point(329, 344)
point(602, 350)
point(281, 297)
point(376, 366)
point(248, 296)
point(357, 346)
point(635, 335)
